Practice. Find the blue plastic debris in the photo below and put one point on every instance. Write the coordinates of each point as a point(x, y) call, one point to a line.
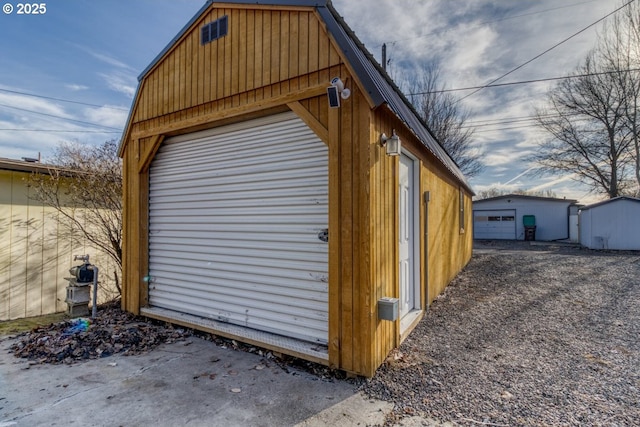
point(77, 325)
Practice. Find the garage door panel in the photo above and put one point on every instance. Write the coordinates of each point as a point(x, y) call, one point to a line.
point(494, 224)
point(234, 217)
point(231, 280)
point(232, 262)
point(256, 155)
point(279, 321)
point(271, 302)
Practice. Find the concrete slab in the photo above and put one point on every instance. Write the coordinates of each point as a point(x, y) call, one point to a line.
point(188, 383)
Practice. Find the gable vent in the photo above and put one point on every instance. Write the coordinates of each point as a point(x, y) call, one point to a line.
point(214, 30)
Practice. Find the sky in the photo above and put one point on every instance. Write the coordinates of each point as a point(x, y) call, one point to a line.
point(70, 72)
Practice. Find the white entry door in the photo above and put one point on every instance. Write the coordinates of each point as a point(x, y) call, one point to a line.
point(409, 293)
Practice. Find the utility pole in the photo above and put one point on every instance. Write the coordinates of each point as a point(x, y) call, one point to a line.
point(384, 56)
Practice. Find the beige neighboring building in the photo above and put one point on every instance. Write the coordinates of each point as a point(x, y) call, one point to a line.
point(34, 257)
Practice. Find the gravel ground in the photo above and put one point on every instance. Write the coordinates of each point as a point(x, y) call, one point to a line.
point(525, 335)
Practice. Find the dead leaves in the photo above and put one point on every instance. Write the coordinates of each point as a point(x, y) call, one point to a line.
point(113, 331)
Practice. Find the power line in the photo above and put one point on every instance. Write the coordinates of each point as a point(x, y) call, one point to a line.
point(546, 51)
point(507, 128)
point(62, 100)
point(524, 82)
point(60, 130)
point(59, 117)
point(472, 122)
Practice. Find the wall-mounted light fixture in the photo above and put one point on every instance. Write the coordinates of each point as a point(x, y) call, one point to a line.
point(337, 87)
point(392, 143)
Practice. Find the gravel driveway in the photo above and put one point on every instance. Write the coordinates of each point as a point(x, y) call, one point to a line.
point(525, 335)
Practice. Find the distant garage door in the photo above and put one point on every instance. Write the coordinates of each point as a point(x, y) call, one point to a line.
point(498, 224)
point(236, 222)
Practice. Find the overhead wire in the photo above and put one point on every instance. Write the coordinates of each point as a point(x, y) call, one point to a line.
point(59, 117)
point(60, 130)
point(62, 100)
point(546, 51)
point(524, 82)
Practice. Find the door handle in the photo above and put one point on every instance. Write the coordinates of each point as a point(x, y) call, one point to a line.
point(324, 235)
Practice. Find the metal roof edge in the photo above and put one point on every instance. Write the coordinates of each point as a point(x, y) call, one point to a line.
point(380, 94)
point(527, 197)
point(334, 24)
point(23, 166)
point(605, 202)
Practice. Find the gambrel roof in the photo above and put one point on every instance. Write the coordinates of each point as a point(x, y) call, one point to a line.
point(373, 79)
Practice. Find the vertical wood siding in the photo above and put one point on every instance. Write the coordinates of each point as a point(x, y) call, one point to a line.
point(265, 54)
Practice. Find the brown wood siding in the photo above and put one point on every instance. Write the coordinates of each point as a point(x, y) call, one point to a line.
point(384, 234)
point(449, 249)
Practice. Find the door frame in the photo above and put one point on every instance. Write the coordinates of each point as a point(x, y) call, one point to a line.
point(408, 318)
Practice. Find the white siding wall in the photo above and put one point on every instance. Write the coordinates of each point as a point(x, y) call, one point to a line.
point(613, 225)
point(34, 259)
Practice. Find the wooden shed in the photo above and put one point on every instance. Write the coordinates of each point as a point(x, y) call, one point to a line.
point(259, 201)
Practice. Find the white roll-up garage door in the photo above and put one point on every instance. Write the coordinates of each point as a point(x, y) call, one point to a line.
point(496, 224)
point(235, 215)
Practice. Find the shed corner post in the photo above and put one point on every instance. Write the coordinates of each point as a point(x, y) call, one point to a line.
point(335, 280)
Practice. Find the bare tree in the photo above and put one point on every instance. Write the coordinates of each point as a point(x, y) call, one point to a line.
point(591, 117)
point(445, 119)
point(496, 192)
point(85, 189)
point(620, 50)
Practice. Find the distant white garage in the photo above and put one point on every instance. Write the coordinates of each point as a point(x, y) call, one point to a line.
point(502, 217)
point(612, 224)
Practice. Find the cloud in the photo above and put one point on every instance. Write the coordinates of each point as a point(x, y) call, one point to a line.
point(38, 125)
point(107, 116)
point(107, 59)
point(19, 106)
point(76, 87)
point(120, 82)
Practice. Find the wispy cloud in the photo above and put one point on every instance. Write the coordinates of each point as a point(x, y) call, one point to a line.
point(76, 87)
point(107, 116)
point(108, 59)
point(18, 105)
point(29, 125)
point(120, 82)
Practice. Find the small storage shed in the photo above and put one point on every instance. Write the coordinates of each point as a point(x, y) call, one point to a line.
point(502, 217)
point(259, 201)
point(611, 224)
